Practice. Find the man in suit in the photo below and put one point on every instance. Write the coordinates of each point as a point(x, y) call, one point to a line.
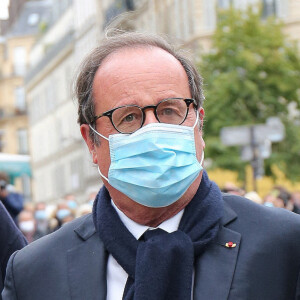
point(160, 229)
point(11, 239)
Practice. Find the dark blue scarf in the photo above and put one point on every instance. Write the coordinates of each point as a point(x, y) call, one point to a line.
point(161, 265)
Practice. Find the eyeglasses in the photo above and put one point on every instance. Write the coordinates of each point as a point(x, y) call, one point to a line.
point(129, 118)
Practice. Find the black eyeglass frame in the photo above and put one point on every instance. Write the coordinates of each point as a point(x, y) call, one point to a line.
point(188, 102)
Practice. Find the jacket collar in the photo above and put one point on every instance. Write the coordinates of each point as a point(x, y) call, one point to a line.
point(86, 228)
point(218, 262)
point(229, 214)
point(87, 263)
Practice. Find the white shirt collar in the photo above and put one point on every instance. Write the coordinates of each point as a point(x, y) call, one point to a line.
point(137, 230)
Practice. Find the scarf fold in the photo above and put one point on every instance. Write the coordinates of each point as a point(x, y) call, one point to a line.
point(161, 265)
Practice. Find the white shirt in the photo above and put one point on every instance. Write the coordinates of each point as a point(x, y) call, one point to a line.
point(116, 276)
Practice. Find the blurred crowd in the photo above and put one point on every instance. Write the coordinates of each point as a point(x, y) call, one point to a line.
point(38, 219)
point(278, 196)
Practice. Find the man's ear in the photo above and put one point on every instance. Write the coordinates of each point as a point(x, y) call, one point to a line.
point(201, 117)
point(85, 132)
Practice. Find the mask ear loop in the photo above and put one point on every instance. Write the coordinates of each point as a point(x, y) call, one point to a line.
point(197, 118)
point(104, 137)
point(202, 158)
point(102, 175)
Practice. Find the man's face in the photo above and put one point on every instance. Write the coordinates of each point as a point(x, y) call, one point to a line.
point(140, 76)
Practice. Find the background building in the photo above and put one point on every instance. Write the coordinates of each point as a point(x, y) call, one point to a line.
point(15, 49)
point(10, 13)
point(192, 22)
point(60, 160)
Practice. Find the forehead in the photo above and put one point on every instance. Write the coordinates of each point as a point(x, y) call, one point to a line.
point(137, 53)
point(26, 215)
point(135, 73)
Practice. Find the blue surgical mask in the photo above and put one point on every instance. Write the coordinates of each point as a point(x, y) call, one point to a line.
point(72, 204)
point(62, 213)
point(155, 165)
point(40, 215)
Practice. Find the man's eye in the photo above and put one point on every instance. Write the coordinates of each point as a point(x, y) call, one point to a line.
point(129, 118)
point(168, 112)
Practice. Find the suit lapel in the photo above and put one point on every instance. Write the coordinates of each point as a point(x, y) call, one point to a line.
point(87, 262)
point(217, 264)
point(87, 265)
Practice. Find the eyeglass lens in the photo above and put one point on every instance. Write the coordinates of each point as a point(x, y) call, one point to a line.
point(128, 119)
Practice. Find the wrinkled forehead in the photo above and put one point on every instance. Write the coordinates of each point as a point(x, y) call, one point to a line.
point(137, 64)
point(138, 58)
point(139, 51)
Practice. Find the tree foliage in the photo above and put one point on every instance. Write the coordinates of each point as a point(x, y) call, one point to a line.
point(251, 73)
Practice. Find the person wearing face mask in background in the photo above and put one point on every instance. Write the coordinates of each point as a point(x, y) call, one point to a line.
point(41, 219)
point(27, 225)
point(63, 214)
point(71, 201)
point(11, 240)
point(160, 228)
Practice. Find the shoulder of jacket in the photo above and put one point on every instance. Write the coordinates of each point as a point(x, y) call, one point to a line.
point(60, 240)
point(279, 218)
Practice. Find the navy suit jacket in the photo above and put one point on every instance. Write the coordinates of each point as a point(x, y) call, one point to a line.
point(11, 239)
point(264, 264)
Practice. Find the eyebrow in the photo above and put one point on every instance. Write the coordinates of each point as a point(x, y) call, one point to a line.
point(155, 101)
point(125, 102)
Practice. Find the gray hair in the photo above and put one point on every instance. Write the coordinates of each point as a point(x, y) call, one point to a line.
point(111, 44)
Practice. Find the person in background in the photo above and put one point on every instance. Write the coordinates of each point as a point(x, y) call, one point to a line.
point(12, 201)
point(70, 199)
point(91, 197)
point(231, 188)
point(68, 218)
point(41, 218)
point(253, 196)
point(29, 206)
point(160, 228)
point(27, 225)
point(295, 199)
point(11, 240)
point(278, 197)
point(271, 201)
point(83, 209)
point(63, 214)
